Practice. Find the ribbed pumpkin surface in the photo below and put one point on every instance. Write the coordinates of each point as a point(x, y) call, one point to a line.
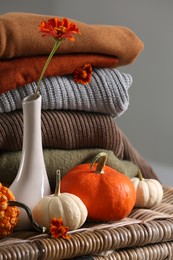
point(107, 196)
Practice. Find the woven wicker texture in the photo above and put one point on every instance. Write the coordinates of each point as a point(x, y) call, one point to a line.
point(160, 251)
point(146, 234)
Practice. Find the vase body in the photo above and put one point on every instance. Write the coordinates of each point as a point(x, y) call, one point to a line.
point(31, 182)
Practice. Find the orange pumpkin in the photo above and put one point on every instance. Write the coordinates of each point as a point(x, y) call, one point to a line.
point(108, 194)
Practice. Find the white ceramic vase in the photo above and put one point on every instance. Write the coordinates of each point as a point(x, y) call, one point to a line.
point(31, 182)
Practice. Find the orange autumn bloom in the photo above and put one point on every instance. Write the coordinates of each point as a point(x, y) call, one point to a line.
point(57, 228)
point(59, 29)
point(83, 75)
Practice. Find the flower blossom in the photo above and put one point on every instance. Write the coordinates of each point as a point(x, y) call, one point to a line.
point(83, 75)
point(59, 29)
point(57, 229)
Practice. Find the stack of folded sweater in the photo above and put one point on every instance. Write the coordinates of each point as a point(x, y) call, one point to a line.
point(78, 121)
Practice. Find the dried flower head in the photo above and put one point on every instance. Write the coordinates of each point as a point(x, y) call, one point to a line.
point(83, 75)
point(57, 229)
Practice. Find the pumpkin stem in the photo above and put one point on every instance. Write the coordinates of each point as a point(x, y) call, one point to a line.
point(140, 175)
point(58, 181)
point(101, 164)
point(35, 225)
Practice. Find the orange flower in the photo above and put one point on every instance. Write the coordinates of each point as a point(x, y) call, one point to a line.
point(59, 29)
point(83, 75)
point(57, 228)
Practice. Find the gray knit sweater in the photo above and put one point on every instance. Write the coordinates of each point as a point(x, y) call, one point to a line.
point(106, 93)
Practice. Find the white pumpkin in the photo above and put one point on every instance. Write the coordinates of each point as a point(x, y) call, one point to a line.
point(65, 205)
point(149, 192)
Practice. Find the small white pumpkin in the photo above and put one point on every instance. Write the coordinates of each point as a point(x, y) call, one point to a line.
point(149, 192)
point(65, 205)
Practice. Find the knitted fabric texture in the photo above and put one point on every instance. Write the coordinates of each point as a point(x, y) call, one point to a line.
point(22, 28)
point(18, 72)
point(64, 160)
point(73, 130)
point(106, 93)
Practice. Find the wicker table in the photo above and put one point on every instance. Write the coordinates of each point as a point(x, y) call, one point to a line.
point(146, 234)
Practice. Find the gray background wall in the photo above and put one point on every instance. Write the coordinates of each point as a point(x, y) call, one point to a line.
point(148, 122)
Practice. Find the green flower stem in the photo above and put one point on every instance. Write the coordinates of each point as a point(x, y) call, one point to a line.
point(46, 64)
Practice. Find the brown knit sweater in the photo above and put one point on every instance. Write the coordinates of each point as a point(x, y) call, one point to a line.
point(73, 130)
point(22, 28)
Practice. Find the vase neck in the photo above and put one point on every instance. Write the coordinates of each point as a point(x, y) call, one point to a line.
point(32, 137)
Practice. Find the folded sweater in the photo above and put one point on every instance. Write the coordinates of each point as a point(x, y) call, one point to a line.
point(18, 72)
point(73, 130)
point(106, 93)
point(19, 37)
point(64, 160)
